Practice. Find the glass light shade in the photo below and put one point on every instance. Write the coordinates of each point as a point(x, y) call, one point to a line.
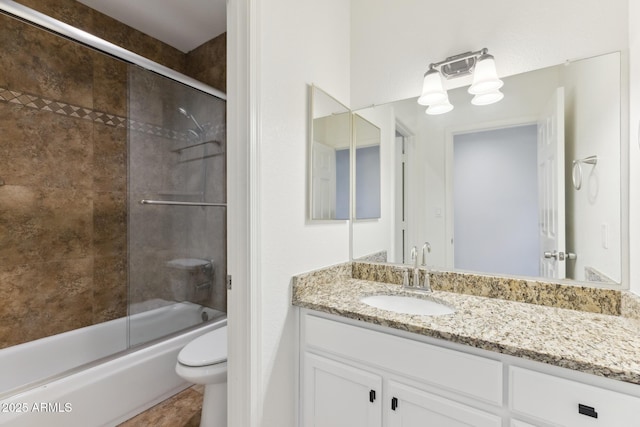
point(485, 77)
point(487, 98)
point(432, 89)
point(441, 108)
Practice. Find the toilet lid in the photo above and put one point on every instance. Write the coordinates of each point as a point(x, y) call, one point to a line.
point(207, 349)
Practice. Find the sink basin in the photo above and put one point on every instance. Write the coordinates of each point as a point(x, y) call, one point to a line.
point(407, 305)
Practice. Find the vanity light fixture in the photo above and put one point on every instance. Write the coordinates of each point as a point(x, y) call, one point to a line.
point(485, 86)
point(433, 92)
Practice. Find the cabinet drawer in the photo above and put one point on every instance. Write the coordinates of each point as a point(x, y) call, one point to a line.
point(518, 423)
point(569, 403)
point(456, 371)
point(413, 407)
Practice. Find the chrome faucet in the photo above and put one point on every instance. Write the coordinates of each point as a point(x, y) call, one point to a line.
point(415, 279)
point(416, 273)
point(414, 256)
point(426, 248)
point(426, 286)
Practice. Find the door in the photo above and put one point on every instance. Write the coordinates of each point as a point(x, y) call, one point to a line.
point(551, 188)
point(410, 407)
point(400, 232)
point(339, 395)
point(324, 182)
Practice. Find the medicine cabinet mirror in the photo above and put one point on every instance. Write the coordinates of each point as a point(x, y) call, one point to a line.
point(336, 133)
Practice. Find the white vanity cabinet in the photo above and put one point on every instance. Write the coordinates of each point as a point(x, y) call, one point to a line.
point(356, 375)
point(518, 423)
point(339, 395)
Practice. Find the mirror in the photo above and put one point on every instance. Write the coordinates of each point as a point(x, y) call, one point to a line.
point(329, 144)
point(476, 184)
point(366, 138)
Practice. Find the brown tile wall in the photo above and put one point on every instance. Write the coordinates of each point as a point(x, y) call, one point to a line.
point(100, 25)
point(63, 205)
point(206, 63)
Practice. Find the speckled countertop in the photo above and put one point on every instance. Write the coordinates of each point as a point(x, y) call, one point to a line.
point(600, 344)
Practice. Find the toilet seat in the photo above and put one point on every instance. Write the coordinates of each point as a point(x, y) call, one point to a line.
point(208, 349)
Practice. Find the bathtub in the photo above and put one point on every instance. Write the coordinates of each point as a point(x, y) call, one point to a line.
point(54, 392)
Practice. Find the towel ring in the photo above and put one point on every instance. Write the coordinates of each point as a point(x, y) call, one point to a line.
point(576, 172)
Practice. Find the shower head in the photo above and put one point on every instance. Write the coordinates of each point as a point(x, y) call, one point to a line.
point(185, 113)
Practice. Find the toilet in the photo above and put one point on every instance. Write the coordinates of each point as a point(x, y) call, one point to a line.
point(204, 361)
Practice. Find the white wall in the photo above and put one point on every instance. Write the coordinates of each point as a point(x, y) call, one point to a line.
point(588, 95)
point(300, 42)
point(394, 42)
point(634, 150)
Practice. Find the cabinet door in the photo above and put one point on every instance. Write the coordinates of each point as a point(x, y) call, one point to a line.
point(518, 423)
point(410, 407)
point(339, 395)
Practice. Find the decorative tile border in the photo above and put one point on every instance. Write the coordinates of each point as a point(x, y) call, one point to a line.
point(38, 103)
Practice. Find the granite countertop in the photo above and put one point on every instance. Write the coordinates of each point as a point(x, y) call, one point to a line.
point(600, 344)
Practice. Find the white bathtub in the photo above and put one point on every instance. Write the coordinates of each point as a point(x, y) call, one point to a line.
point(103, 394)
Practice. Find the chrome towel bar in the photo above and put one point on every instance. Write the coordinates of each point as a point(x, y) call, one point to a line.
point(576, 172)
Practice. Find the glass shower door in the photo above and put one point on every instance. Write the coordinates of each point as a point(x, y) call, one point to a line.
point(177, 206)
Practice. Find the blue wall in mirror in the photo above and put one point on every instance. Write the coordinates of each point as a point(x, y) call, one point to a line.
point(367, 183)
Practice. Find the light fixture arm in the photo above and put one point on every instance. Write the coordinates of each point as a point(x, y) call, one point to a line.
point(458, 65)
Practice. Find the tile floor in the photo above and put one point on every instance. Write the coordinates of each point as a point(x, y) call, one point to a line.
point(181, 410)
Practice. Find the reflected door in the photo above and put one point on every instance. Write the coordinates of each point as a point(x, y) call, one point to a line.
point(551, 187)
point(324, 181)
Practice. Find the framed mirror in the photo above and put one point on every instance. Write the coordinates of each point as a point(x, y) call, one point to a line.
point(329, 164)
point(477, 186)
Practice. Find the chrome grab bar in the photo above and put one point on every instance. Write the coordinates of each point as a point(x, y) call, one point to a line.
point(174, 203)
